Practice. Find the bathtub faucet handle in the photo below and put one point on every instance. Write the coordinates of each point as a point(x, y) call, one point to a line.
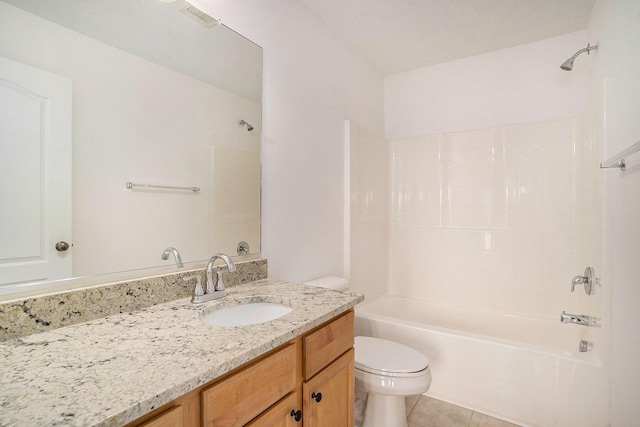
point(586, 280)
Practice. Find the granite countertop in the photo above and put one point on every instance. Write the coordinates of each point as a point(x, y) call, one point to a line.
point(110, 371)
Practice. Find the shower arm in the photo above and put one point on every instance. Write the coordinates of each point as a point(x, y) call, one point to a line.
point(587, 49)
point(568, 64)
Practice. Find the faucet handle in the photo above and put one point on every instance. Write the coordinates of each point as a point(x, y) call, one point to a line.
point(198, 290)
point(219, 282)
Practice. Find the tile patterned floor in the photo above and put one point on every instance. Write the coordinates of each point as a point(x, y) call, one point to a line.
point(423, 411)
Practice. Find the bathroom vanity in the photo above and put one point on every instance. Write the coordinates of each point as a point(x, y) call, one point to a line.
point(307, 381)
point(162, 366)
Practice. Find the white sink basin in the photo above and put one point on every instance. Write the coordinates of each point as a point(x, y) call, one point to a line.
point(246, 314)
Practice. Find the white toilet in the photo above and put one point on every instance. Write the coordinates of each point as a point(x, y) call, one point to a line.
point(386, 372)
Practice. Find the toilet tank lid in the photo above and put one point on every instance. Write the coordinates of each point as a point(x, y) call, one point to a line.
point(388, 356)
point(330, 282)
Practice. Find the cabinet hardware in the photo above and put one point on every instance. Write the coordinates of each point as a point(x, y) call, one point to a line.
point(316, 396)
point(297, 415)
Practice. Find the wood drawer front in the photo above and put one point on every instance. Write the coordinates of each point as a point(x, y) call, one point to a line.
point(327, 343)
point(170, 418)
point(241, 397)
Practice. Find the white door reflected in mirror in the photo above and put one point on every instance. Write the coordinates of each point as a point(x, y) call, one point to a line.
point(35, 173)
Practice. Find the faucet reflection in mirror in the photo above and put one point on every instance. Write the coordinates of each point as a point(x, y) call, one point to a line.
point(176, 255)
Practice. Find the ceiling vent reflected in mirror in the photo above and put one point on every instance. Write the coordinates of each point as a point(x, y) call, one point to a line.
point(198, 15)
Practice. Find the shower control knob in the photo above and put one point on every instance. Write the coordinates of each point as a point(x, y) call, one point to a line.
point(62, 246)
point(587, 281)
point(316, 396)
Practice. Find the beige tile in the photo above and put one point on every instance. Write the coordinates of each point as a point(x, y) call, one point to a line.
point(482, 420)
point(410, 402)
point(435, 413)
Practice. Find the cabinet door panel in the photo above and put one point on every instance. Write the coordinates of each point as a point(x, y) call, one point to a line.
point(279, 415)
point(336, 384)
point(241, 397)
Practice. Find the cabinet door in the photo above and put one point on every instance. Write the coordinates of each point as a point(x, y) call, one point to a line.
point(280, 414)
point(328, 396)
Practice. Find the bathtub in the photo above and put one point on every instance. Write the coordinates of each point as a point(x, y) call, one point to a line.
point(523, 370)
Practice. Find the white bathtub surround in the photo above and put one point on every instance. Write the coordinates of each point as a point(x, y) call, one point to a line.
point(532, 383)
point(496, 218)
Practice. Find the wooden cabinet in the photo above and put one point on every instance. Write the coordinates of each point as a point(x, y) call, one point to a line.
point(328, 396)
point(307, 382)
point(328, 390)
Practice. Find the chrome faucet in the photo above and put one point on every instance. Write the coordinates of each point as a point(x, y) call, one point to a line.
point(219, 285)
point(176, 254)
point(580, 319)
point(212, 290)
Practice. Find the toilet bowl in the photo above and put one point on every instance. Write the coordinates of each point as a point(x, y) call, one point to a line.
point(386, 372)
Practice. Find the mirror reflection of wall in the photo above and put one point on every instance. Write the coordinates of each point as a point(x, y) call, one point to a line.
point(136, 120)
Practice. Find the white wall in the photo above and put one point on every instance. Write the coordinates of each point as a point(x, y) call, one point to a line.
point(522, 84)
point(615, 24)
point(312, 83)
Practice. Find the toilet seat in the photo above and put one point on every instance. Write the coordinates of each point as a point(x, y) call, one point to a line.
point(388, 358)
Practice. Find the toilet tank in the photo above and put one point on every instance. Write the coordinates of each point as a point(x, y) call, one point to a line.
point(330, 282)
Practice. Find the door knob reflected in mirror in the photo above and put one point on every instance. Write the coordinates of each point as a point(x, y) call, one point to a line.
point(62, 246)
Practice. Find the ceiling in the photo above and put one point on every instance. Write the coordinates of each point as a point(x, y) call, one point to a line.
point(402, 35)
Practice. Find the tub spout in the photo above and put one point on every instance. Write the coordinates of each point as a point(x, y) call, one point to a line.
point(580, 319)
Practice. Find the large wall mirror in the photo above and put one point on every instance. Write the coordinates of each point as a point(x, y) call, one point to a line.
point(126, 127)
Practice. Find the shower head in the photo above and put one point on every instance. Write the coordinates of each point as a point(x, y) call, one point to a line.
point(249, 127)
point(568, 64)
